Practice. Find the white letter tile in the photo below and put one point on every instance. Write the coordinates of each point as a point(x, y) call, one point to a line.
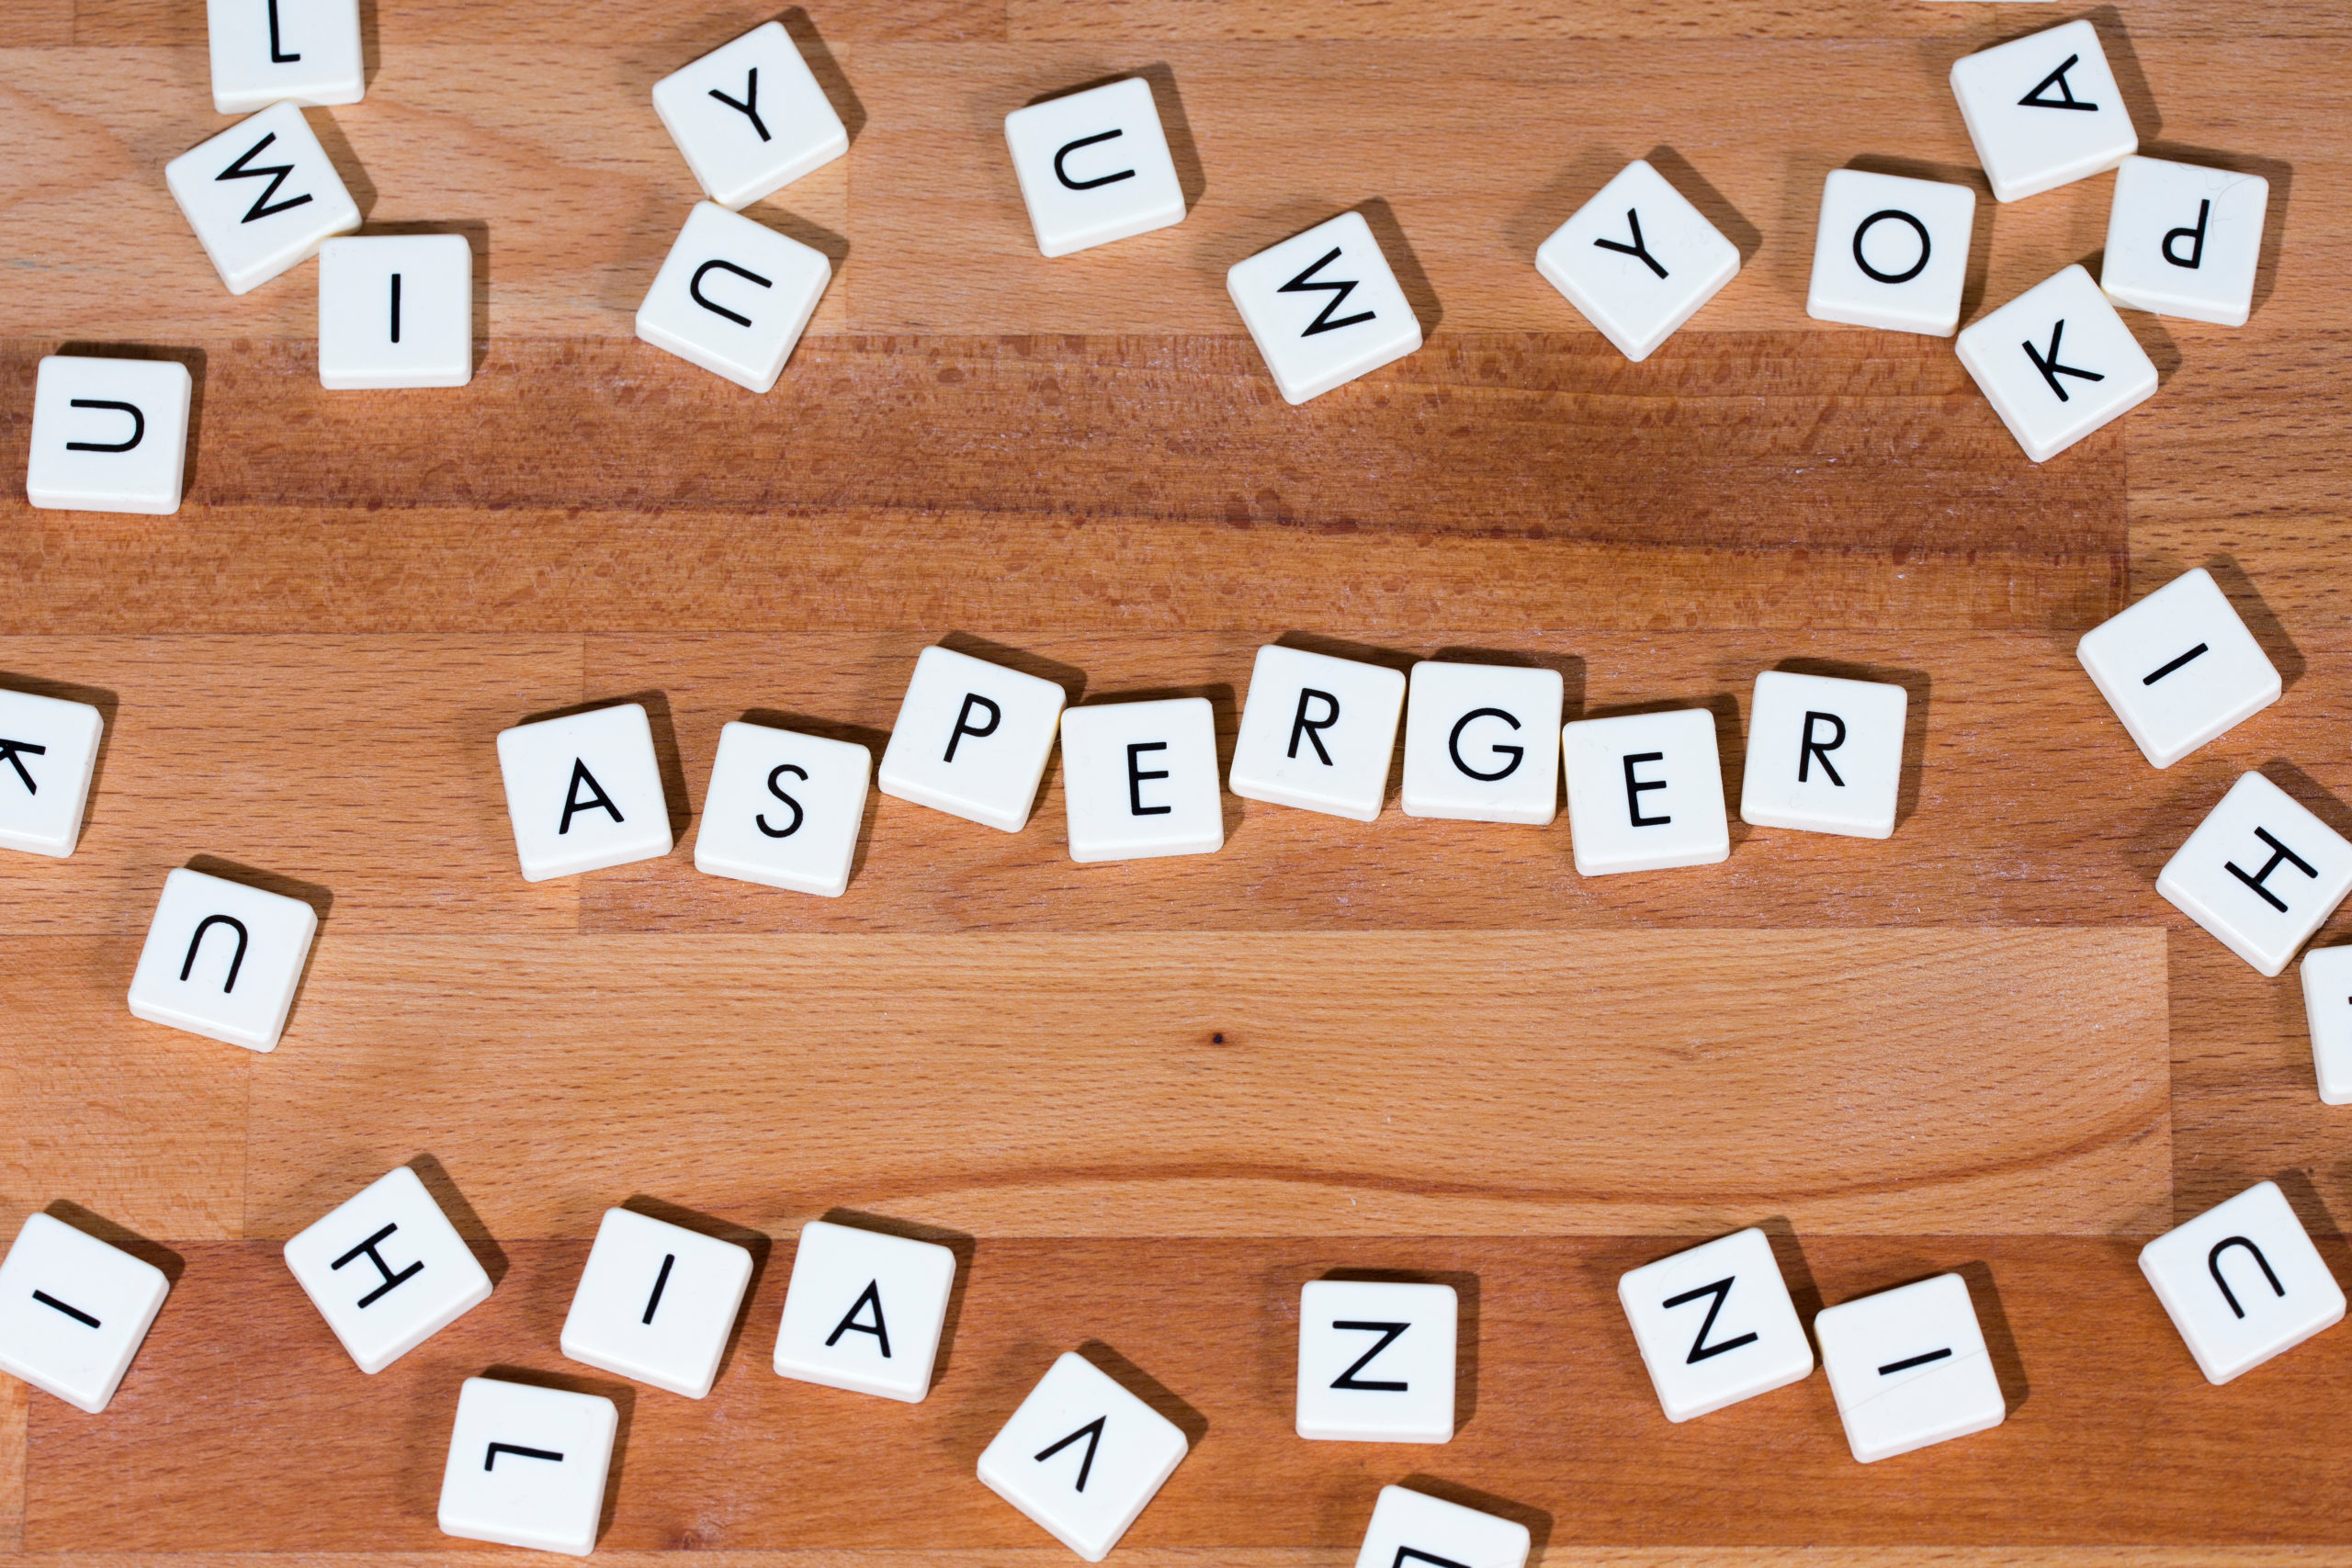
point(1646, 793)
point(1478, 742)
point(656, 1302)
point(396, 311)
point(2057, 363)
point(2183, 240)
point(48, 751)
point(1140, 780)
point(387, 1270)
point(1413, 1530)
point(2179, 667)
point(1094, 167)
point(1909, 1369)
point(1082, 1457)
point(262, 197)
point(865, 1311)
point(2242, 1283)
point(1716, 1325)
point(733, 297)
point(1375, 1362)
point(971, 739)
point(527, 1466)
point(784, 809)
point(2261, 874)
point(750, 118)
point(108, 435)
point(1324, 308)
point(1824, 755)
point(302, 51)
point(1638, 260)
point(74, 1311)
point(2043, 111)
point(1891, 253)
point(584, 792)
point(222, 960)
point(1318, 733)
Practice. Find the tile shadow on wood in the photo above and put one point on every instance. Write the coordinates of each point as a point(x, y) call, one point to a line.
point(461, 1215)
point(118, 1237)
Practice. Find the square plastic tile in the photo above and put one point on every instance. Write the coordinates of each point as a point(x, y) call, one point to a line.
point(1909, 1369)
point(527, 1466)
point(2327, 1006)
point(750, 118)
point(301, 51)
point(1891, 253)
point(74, 1311)
point(262, 197)
point(733, 297)
point(656, 1302)
point(2261, 874)
point(784, 809)
point(1638, 260)
point(387, 1270)
point(2242, 1283)
point(1082, 1457)
point(1413, 1530)
point(2057, 363)
point(2184, 240)
point(222, 960)
point(396, 311)
point(2043, 111)
point(584, 792)
point(1094, 167)
point(1324, 308)
point(1376, 1361)
point(1478, 742)
point(1318, 733)
point(48, 750)
point(865, 1311)
point(1140, 780)
point(971, 739)
point(1716, 1325)
point(1824, 755)
point(2179, 667)
point(1646, 793)
point(108, 435)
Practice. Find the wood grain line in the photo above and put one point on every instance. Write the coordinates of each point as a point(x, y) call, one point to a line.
point(14, 1402)
point(1259, 1084)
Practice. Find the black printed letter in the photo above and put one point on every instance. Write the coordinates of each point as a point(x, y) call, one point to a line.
point(693, 288)
point(2213, 1263)
point(1699, 1348)
point(274, 173)
point(1304, 284)
point(1809, 749)
point(964, 722)
point(1388, 1332)
point(1915, 269)
point(138, 426)
point(597, 800)
point(849, 1323)
point(1302, 724)
point(1453, 746)
point(2278, 852)
point(2196, 238)
point(1640, 251)
point(237, 959)
point(1634, 786)
point(1136, 777)
point(2050, 368)
point(750, 107)
point(1062, 174)
point(1093, 1433)
point(761, 821)
point(8, 749)
point(391, 1279)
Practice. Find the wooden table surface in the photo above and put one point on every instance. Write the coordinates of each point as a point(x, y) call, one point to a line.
point(1147, 1101)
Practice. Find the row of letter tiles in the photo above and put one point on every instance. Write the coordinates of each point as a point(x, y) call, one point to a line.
point(1081, 1455)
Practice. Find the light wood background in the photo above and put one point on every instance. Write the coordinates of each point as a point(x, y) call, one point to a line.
point(1147, 1101)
